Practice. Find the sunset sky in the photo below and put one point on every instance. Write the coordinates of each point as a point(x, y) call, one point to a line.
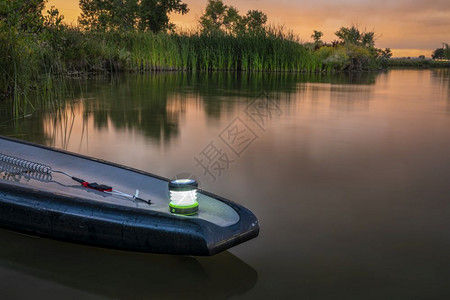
point(408, 27)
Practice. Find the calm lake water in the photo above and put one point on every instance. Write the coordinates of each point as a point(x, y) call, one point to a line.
point(349, 176)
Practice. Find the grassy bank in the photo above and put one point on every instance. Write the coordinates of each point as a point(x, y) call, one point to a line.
point(26, 57)
point(35, 47)
point(145, 51)
point(417, 63)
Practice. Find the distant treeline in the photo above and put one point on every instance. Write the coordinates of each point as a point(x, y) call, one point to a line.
point(132, 35)
point(418, 63)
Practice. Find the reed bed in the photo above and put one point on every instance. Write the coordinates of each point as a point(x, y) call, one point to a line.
point(137, 51)
point(30, 61)
point(27, 58)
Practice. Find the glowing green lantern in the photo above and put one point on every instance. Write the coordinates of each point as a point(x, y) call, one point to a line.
point(183, 196)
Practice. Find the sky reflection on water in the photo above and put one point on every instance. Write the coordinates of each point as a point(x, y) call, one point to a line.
point(349, 179)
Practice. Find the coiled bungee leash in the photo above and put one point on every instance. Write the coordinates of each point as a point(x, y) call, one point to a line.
point(45, 169)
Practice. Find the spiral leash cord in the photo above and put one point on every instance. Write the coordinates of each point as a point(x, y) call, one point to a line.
point(46, 170)
point(26, 164)
point(13, 172)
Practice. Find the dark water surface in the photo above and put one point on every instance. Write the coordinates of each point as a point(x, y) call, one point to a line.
point(349, 176)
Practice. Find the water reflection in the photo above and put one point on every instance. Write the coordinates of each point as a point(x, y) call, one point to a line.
point(442, 79)
point(339, 97)
point(155, 104)
point(350, 181)
point(117, 274)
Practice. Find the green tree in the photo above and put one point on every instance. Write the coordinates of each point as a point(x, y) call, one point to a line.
point(446, 51)
point(53, 19)
point(441, 53)
point(368, 39)
point(232, 21)
point(21, 27)
point(438, 54)
point(114, 15)
point(214, 17)
point(317, 36)
point(349, 35)
point(219, 17)
point(153, 15)
point(354, 36)
point(386, 53)
point(255, 21)
point(108, 15)
point(23, 15)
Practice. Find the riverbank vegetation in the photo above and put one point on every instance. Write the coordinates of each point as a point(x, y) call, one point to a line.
point(137, 36)
point(420, 62)
point(440, 58)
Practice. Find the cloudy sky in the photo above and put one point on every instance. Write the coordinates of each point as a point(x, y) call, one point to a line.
point(408, 27)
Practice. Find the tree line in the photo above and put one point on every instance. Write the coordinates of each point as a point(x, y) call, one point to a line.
point(125, 15)
point(352, 36)
point(153, 15)
point(137, 35)
point(144, 15)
